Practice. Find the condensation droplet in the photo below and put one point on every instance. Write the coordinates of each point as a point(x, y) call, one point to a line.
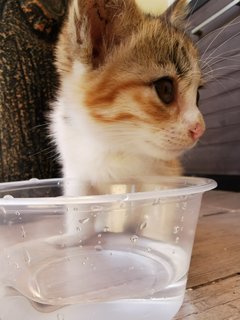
point(106, 229)
point(78, 228)
point(18, 213)
point(146, 216)
point(60, 316)
point(27, 257)
point(184, 205)
point(96, 208)
point(34, 180)
point(134, 238)
point(8, 197)
point(177, 239)
point(149, 249)
point(156, 202)
point(143, 225)
point(17, 265)
point(99, 235)
point(84, 263)
point(84, 220)
point(98, 248)
point(176, 229)
point(122, 205)
point(23, 232)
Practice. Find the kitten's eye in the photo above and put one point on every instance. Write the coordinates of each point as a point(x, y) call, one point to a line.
point(165, 89)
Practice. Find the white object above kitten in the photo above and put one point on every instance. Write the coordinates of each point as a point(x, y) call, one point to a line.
point(127, 103)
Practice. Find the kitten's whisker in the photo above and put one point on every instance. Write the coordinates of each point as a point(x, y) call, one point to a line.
point(223, 43)
point(220, 56)
point(221, 29)
point(44, 125)
point(49, 149)
point(222, 68)
point(230, 24)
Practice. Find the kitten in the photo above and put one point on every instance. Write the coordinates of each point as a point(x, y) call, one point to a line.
point(127, 106)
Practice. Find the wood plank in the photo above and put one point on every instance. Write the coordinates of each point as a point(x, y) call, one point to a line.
point(216, 301)
point(216, 249)
point(218, 201)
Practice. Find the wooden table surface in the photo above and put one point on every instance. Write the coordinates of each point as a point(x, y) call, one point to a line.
point(213, 290)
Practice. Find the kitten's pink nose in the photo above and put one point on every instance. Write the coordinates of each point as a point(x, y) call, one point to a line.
point(196, 131)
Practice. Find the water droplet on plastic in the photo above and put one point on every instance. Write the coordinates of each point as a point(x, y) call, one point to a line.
point(60, 316)
point(84, 263)
point(8, 197)
point(98, 248)
point(18, 213)
point(176, 229)
point(27, 257)
point(134, 238)
point(146, 217)
point(106, 229)
point(99, 242)
point(184, 205)
point(17, 265)
point(84, 220)
point(149, 249)
point(99, 235)
point(122, 205)
point(143, 225)
point(96, 208)
point(34, 180)
point(156, 202)
point(23, 232)
point(177, 239)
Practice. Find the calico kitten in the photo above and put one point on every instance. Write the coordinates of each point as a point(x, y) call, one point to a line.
point(127, 106)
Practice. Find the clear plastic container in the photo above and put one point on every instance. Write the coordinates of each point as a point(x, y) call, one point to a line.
point(121, 255)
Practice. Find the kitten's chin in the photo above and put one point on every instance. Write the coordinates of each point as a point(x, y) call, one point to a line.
point(164, 153)
point(168, 155)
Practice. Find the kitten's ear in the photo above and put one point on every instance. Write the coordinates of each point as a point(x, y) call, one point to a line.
point(96, 26)
point(177, 13)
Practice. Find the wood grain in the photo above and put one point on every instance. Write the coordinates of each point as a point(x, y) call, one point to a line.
point(214, 278)
point(216, 252)
point(216, 301)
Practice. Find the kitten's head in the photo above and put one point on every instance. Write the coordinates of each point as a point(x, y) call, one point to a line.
point(137, 76)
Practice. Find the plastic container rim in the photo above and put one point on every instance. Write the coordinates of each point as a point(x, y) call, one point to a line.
point(200, 185)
